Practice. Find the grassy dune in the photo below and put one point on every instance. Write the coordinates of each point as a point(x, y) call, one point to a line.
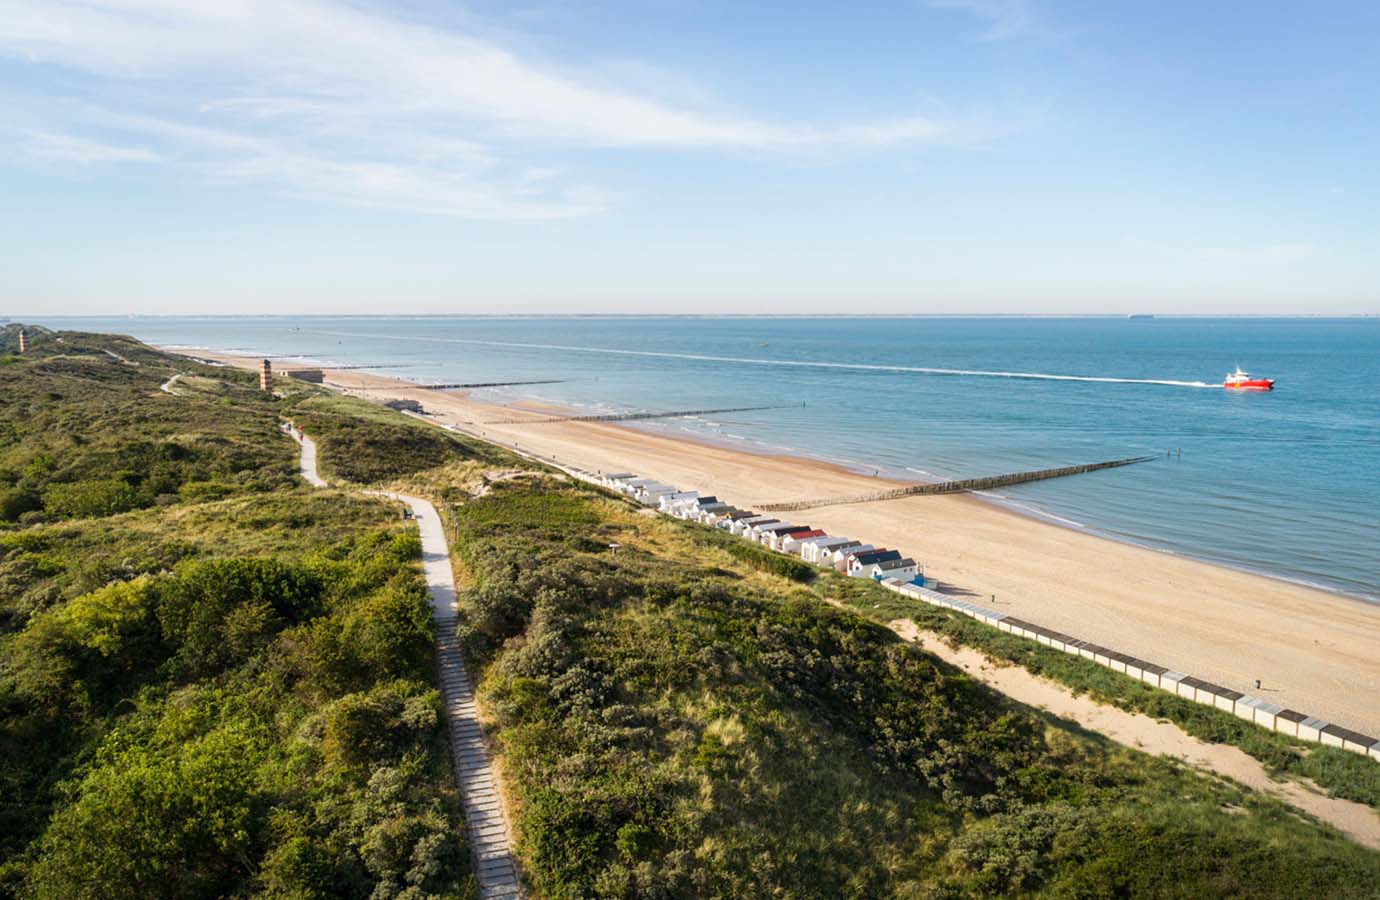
point(213, 681)
point(676, 721)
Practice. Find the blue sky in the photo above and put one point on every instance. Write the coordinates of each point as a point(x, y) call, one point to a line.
point(927, 156)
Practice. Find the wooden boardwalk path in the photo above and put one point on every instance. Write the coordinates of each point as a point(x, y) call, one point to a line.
point(485, 821)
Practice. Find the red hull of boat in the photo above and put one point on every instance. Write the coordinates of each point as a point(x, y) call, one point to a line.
point(1257, 384)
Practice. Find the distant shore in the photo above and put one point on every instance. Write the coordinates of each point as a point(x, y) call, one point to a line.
point(1310, 648)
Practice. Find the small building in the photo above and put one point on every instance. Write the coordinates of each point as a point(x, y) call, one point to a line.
point(402, 404)
point(904, 569)
point(650, 494)
point(674, 503)
point(727, 518)
point(839, 556)
point(860, 564)
point(743, 527)
point(777, 540)
point(814, 549)
point(791, 544)
point(754, 531)
point(765, 533)
point(312, 376)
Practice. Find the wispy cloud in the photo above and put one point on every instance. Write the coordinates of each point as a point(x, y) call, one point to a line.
point(50, 146)
point(1004, 18)
point(357, 101)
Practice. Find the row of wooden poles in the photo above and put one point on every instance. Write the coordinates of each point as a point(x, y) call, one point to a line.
point(955, 487)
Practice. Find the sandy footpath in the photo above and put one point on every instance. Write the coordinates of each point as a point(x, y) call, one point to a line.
point(1357, 820)
point(1313, 651)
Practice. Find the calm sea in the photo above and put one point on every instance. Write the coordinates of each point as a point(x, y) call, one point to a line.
point(1286, 483)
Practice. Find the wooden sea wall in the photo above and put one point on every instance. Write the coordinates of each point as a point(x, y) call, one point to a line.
point(987, 483)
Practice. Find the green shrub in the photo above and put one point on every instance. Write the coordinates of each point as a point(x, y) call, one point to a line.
point(765, 560)
point(84, 499)
point(14, 502)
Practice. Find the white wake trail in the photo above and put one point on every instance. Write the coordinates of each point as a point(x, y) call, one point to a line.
point(757, 361)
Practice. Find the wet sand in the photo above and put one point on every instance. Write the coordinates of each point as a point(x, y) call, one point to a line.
point(1314, 651)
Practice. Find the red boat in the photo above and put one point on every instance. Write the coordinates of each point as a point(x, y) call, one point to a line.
point(1242, 381)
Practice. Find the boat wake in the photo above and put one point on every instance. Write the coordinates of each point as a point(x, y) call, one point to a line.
point(758, 361)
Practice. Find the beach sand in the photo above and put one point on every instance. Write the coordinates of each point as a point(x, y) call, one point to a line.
point(1313, 651)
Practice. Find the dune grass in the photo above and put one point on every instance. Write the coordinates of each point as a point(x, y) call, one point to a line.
point(676, 722)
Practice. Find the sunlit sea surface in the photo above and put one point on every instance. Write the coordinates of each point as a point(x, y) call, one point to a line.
point(1286, 483)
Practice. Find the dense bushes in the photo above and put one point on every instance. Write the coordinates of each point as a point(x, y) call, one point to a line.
point(82, 499)
point(672, 729)
point(1341, 773)
point(764, 560)
point(360, 444)
point(225, 690)
point(86, 434)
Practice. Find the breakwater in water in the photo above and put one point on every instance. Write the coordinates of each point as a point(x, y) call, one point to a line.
point(632, 417)
point(990, 482)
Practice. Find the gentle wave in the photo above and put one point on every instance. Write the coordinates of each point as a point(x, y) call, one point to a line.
point(758, 361)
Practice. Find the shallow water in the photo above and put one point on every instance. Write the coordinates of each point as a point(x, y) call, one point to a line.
point(1286, 483)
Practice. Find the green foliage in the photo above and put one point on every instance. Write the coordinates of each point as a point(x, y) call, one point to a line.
point(85, 429)
point(1341, 773)
point(14, 502)
point(84, 499)
point(364, 445)
point(673, 730)
point(763, 560)
point(183, 821)
point(755, 555)
point(213, 682)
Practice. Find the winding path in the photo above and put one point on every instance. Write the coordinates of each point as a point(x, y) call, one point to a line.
point(494, 866)
point(1156, 737)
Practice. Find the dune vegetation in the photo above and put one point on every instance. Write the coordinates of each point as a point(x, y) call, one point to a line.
point(214, 681)
point(217, 682)
point(678, 719)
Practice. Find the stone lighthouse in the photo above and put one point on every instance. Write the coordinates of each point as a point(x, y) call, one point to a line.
point(266, 377)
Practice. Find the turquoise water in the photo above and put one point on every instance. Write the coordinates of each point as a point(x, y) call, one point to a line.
point(1286, 483)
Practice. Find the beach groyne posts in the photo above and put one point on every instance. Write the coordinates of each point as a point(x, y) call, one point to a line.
point(486, 384)
point(986, 483)
point(634, 417)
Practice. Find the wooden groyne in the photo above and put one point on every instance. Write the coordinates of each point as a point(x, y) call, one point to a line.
point(634, 417)
point(486, 384)
point(957, 487)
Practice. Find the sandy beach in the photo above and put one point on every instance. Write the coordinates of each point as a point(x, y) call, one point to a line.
point(1312, 650)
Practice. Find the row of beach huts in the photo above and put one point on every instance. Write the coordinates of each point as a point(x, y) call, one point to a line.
point(901, 574)
point(813, 545)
